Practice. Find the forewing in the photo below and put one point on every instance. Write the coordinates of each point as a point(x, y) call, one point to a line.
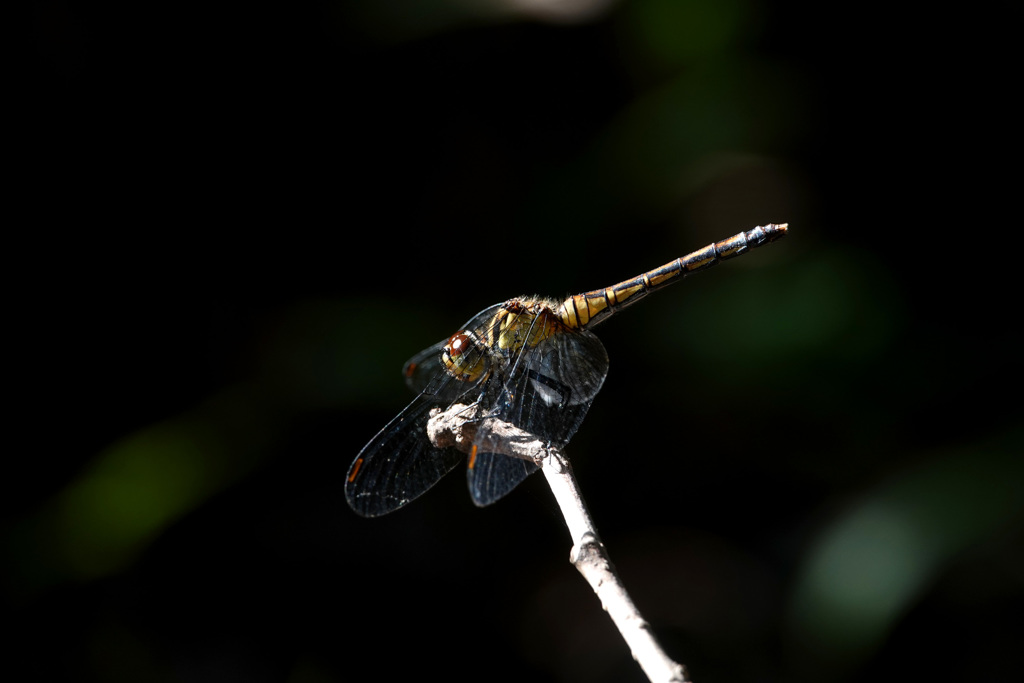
point(399, 464)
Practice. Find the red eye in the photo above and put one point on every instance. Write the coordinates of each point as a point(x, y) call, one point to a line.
point(458, 344)
point(463, 357)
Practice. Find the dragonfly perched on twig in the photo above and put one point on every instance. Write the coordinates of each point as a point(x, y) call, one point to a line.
point(528, 362)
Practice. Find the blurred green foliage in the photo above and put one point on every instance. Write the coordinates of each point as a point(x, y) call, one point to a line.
point(879, 556)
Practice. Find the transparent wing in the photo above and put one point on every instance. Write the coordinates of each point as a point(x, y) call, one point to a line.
point(553, 385)
point(399, 464)
point(492, 475)
point(423, 369)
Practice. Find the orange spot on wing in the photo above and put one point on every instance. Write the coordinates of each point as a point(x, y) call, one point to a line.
point(355, 469)
point(472, 457)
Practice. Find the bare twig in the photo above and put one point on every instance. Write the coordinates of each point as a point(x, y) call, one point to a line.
point(458, 427)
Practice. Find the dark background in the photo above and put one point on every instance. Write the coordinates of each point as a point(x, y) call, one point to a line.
point(232, 223)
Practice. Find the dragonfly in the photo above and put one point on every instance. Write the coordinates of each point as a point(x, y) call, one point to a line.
point(530, 362)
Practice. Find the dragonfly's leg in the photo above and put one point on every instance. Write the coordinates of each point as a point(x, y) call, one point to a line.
point(468, 412)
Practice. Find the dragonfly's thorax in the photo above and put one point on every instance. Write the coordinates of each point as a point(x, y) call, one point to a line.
point(522, 322)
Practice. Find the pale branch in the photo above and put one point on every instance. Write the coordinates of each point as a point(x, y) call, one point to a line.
point(591, 559)
point(458, 426)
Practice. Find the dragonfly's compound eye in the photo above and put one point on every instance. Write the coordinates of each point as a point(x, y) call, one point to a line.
point(463, 357)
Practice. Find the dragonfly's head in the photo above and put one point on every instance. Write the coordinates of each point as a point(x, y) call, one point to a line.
point(465, 357)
